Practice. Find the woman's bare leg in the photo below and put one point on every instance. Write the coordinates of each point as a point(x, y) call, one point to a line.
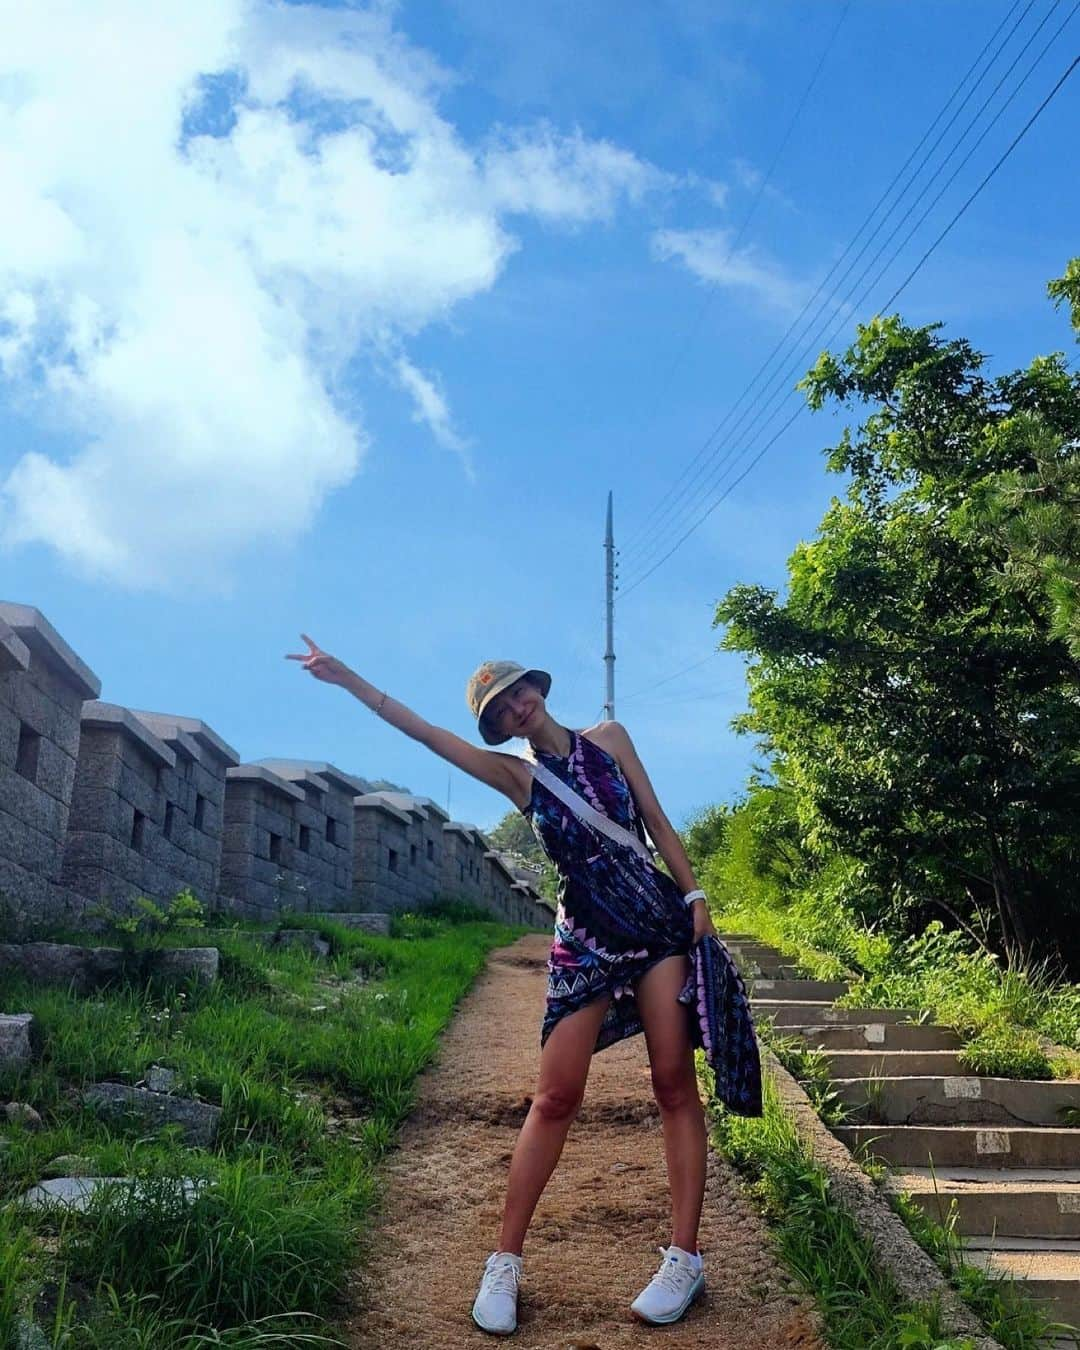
point(564, 1068)
point(671, 1061)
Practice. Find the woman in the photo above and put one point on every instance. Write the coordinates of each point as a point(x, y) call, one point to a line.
point(619, 960)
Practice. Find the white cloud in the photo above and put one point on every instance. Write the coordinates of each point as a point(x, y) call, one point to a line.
point(753, 180)
point(565, 178)
point(709, 255)
point(209, 207)
point(431, 408)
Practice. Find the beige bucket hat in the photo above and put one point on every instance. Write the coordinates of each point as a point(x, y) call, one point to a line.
point(491, 678)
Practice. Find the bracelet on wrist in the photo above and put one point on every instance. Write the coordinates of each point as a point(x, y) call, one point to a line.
point(692, 896)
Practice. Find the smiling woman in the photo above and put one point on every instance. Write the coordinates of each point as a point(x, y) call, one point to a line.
point(504, 697)
point(619, 962)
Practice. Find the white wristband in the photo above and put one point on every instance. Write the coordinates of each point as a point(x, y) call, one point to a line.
point(691, 896)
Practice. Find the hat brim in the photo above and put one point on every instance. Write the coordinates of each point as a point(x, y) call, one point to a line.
point(540, 677)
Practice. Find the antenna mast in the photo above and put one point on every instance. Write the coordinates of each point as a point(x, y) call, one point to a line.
point(609, 655)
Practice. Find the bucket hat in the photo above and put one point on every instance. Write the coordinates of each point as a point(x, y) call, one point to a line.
point(491, 678)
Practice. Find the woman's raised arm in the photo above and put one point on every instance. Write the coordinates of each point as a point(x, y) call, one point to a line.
point(505, 773)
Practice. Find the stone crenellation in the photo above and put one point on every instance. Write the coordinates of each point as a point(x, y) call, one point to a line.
point(101, 804)
point(43, 685)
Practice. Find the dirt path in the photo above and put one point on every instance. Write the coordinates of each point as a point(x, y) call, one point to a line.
point(593, 1242)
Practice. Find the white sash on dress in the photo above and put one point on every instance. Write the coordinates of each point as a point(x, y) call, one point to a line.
point(583, 809)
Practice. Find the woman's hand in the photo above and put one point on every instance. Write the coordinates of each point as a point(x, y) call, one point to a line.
point(702, 919)
point(321, 664)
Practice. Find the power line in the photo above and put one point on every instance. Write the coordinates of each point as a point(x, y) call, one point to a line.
point(1015, 142)
point(779, 387)
point(865, 294)
point(1012, 146)
point(779, 384)
point(690, 698)
point(761, 188)
point(889, 262)
point(686, 670)
point(674, 496)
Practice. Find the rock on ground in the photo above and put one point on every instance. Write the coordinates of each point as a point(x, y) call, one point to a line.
point(87, 968)
point(22, 1113)
point(77, 1194)
point(593, 1242)
point(17, 1033)
point(198, 1120)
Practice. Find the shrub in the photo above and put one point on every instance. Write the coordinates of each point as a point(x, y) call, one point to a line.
point(1006, 1052)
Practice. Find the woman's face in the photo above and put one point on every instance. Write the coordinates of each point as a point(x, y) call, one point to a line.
point(515, 708)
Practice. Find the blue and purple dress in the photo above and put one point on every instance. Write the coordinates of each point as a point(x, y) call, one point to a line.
point(618, 915)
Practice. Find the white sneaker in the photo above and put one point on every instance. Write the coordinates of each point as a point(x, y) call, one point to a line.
point(671, 1290)
point(495, 1308)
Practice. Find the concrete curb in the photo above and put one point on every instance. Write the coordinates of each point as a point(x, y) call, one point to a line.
point(915, 1274)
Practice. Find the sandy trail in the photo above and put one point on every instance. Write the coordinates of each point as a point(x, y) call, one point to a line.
point(593, 1242)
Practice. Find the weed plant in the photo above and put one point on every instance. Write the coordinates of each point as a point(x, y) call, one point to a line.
point(861, 1308)
point(1008, 1315)
point(809, 1066)
point(313, 1063)
point(761, 882)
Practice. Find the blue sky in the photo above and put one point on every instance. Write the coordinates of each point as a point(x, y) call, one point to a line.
point(346, 319)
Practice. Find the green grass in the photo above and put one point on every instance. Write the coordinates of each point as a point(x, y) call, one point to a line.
point(1009, 1316)
point(810, 1068)
point(860, 1306)
point(1010, 1019)
point(314, 1064)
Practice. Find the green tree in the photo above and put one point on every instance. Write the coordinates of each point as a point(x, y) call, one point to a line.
point(921, 711)
point(513, 834)
point(1034, 510)
point(1066, 289)
point(705, 833)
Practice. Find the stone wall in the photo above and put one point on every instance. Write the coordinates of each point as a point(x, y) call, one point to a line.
point(324, 830)
point(196, 788)
point(42, 688)
point(100, 804)
point(384, 875)
point(258, 874)
point(525, 906)
point(506, 895)
point(423, 858)
point(117, 847)
point(463, 861)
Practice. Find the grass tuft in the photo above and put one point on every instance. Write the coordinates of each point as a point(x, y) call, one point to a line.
point(313, 1063)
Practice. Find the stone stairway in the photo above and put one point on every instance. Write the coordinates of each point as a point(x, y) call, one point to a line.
point(993, 1147)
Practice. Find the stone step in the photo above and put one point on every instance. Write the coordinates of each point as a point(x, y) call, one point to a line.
point(882, 1035)
point(892, 1063)
point(1045, 1269)
point(1024, 1202)
point(785, 1013)
point(758, 951)
point(797, 991)
point(958, 1100)
point(770, 970)
point(964, 1145)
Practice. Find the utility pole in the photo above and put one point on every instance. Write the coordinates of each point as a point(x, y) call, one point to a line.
point(609, 655)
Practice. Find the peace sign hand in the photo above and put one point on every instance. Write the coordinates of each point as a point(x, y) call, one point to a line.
point(321, 664)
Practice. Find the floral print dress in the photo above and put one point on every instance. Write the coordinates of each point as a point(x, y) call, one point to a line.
point(619, 914)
